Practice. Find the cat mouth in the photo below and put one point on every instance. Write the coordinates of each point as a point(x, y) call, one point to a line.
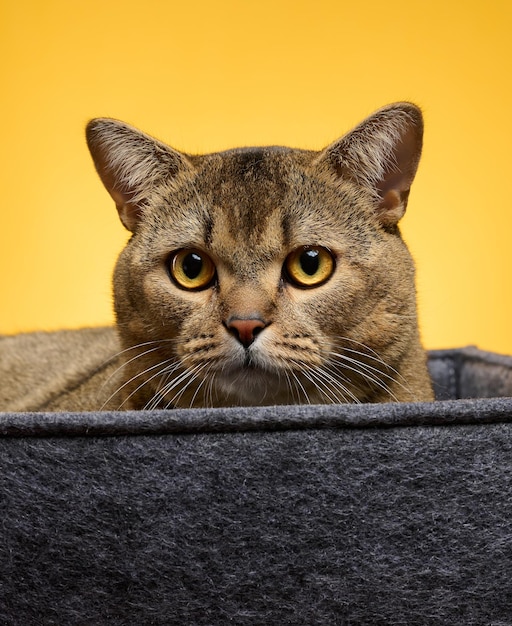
point(249, 362)
point(249, 367)
point(250, 372)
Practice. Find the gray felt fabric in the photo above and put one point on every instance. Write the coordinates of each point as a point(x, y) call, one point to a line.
point(357, 515)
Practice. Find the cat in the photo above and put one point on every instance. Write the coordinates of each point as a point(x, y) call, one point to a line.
point(254, 276)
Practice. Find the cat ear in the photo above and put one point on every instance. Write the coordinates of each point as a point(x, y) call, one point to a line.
point(130, 164)
point(382, 154)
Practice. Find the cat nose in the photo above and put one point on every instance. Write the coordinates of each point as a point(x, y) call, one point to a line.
point(245, 330)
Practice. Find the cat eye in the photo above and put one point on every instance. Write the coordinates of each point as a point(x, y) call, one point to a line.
point(191, 269)
point(309, 266)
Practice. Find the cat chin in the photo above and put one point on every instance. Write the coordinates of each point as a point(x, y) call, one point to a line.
point(252, 386)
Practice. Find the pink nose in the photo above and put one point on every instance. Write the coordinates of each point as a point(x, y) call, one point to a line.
point(245, 330)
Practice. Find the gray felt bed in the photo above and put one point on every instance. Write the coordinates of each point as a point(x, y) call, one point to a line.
point(353, 514)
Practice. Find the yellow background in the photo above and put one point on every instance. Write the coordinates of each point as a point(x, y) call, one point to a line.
point(208, 75)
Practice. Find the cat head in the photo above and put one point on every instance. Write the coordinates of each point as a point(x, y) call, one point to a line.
point(264, 275)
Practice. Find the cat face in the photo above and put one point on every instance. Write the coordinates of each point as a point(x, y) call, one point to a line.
point(265, 275)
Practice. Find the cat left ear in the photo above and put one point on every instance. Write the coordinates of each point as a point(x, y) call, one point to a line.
point(130, 164)
point(381, 154)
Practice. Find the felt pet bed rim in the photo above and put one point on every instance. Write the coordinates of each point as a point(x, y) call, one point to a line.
point(257, 419)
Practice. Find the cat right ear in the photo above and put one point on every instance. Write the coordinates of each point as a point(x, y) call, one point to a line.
point(130, 165)
point(382, 155)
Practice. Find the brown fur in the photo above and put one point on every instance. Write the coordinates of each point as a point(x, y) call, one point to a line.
point(353, 338)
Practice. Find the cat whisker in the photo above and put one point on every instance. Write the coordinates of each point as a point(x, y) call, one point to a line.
point(317, 385)
point(328, 385)
point(292, 388)
point(368, 351)
point(191, 374)
point(333, 379)
point(202, 386)
point(125, 384)
point(162, 367)
point(167, 385)
point(342, 358)
point(125, 363)
point(156, 344)
point(367, 372)
point(374, 357)
point(298, 385)
point(209, 393)
point(169, 382)
point(203, 381)
point(330, 388)
point(376, 374)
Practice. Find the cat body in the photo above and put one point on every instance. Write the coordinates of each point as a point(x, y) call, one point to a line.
point(261, 275)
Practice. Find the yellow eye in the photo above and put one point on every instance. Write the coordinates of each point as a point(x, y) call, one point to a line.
point(191, 269)
point(309, 266)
